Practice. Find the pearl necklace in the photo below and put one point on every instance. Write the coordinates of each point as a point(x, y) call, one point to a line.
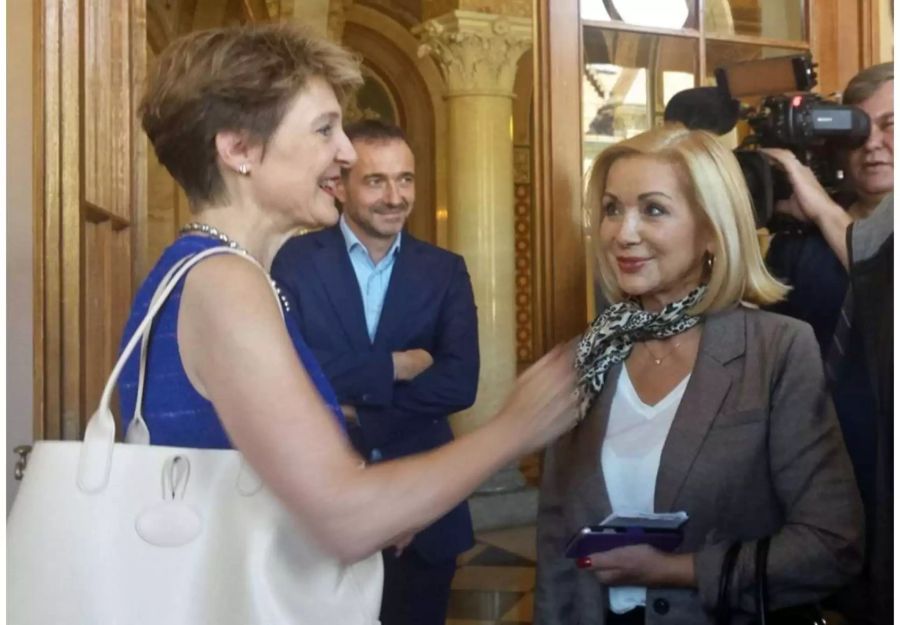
point(215, 233)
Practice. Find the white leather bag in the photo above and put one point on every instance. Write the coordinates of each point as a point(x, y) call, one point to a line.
point(106, 533)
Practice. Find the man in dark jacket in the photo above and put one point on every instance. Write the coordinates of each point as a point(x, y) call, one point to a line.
point(393, 323)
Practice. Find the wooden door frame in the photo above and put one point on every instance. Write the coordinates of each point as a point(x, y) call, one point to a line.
point(59, 207)
point(58, 186)
point(560, 275)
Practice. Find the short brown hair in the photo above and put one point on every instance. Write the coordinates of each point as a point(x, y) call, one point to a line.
point(236, 78)
point(862, 86)
point(374, 130)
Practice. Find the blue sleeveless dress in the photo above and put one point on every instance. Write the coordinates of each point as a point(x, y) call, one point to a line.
point(176, 414)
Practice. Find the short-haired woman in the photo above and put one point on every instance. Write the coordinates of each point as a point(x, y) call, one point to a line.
point(248, 121)
point(696, 401)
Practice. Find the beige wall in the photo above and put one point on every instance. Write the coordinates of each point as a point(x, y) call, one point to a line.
point(19, 212)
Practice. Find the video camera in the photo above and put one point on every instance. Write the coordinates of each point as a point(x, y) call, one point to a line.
point(788, 116)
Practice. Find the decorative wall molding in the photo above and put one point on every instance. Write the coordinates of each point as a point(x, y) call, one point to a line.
point(522, 164)
point(337, 17)
point(406, 12)
point(524, 227)
point(512, 8)
point(524, 278)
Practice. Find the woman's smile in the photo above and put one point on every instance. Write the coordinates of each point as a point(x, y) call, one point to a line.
point(631, 264)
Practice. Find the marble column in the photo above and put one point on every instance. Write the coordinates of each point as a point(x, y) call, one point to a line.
point(478, 55)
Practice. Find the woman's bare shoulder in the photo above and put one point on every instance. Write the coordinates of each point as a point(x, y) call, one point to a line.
point(229, 285)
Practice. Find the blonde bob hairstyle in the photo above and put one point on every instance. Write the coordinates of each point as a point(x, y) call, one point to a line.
point(714, 185)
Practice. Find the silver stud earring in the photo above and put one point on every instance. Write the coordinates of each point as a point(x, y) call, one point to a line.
point(710, 260)
point(244, 169)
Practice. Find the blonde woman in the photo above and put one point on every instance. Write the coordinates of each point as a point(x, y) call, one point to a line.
point(695, 401)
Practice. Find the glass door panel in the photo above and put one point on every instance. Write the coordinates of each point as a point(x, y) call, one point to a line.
point(627, 79)
point(769, 19)
point(670, 14)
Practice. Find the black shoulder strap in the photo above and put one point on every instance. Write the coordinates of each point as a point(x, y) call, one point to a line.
point(723, 605)
point(762, 579)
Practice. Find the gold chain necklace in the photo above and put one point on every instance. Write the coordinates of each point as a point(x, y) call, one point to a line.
point(215, 233)
point(658, 361)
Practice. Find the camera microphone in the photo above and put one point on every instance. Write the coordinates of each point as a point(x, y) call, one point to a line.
point(703, 108)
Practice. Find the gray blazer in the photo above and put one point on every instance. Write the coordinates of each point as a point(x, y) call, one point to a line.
point(754, 450)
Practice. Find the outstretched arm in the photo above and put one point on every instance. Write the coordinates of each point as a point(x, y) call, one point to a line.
point(237, 353)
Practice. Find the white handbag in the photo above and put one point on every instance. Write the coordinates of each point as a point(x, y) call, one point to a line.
point(106, 533)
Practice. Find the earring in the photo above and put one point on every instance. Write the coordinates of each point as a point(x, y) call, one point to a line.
point(710, 261)
point(244, 169)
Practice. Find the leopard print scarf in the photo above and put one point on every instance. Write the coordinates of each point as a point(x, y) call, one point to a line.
point(614, 332)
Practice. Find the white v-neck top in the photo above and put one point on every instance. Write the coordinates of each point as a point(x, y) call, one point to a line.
point(630, 455)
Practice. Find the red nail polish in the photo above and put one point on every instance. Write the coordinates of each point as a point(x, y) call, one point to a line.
point(583, 563)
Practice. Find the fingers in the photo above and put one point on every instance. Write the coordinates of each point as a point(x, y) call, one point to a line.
point(613, 577)
point(780, 155)
point(786, 160)
point(625, 565)
point(601, 560)
point(612, 559)
point(610, 576)
point(556, 353)
point(565, 409)
point(544, 400)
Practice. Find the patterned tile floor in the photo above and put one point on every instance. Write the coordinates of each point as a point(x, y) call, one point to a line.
point(494, 580)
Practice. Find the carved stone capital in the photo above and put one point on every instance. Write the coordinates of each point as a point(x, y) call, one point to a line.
point(337, 17)
point(517, 8)
point(476, 52)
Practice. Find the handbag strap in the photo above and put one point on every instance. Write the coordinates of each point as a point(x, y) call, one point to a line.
point(723, 605)
point(762, 579)
point(138, 432)
point(99, 436)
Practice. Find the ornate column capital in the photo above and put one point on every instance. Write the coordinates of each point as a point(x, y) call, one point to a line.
point(337, 17)
point(476, 52)
point(517, 8)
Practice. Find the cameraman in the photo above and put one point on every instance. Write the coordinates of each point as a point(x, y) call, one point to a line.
point(842, 276)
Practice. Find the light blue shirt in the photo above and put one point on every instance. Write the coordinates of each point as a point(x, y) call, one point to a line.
point(373, 278)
